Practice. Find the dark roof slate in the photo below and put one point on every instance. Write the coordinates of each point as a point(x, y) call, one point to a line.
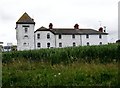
point(25, 19)
point(69, 31)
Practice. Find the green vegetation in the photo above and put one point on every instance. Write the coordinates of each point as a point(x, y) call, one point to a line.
point(25, 73)
point(77, 66)
point(103, 54)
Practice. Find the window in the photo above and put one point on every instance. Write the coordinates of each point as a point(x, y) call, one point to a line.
point(48, 45)
point(60, 44)
point(25, 37)
point(87, 36)
point(38, 45)
point(25, 26)
point(26, 30)
point(38, 36)
point(48, 36)
point(100, 36)
point(60, 36)
point(24, 44)
point(88, 44)
point(100, 43)
point(74, 44)
point(73, 36)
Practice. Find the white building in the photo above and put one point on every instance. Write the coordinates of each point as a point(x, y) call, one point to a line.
point(52, 37)
point(119, 21)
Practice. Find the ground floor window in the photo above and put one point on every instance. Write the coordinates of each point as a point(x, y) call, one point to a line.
point(60, 44)
point(38, 45)
point(88, 43)
point(48, 45)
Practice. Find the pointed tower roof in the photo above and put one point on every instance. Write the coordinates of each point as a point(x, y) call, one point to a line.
point(25, 19)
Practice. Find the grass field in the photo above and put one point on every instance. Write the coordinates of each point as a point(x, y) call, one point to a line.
point(25, 73)
point(68, 69)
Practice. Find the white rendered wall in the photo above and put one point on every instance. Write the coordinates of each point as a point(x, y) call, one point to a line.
point(119, 20)
point(20, 33)
point(94, 40)
point(67, 40)
point(43, 39)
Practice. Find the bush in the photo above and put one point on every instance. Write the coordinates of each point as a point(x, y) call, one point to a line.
point(103, 53)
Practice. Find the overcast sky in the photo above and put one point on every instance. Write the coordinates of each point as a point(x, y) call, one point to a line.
point(62, 13)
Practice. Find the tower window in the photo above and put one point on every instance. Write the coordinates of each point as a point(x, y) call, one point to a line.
point(60, 44)
point(26, 37)
point(100, 36)
point(74, 44)
point(26, 29)
point(48, 45)
point(25, 44)
point(87, 36)
point(73, 36)
point(88, 44)
point(38, 45)
point(38, 36)
point(48, 36)
point(59, 36)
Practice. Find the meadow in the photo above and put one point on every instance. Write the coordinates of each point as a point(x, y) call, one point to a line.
point(73, 66)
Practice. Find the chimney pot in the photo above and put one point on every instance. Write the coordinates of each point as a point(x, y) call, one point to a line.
point(50, 26)
point(76, 26)
point(101, 29)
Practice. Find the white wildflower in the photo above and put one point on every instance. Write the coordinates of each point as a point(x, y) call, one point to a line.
point(59, 73)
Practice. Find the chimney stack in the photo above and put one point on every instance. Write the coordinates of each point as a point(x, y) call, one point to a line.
point(104, 28)
point(50, 26)
point(101, 29)
point(76, 26)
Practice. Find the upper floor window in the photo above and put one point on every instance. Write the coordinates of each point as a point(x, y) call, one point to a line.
point(100, 36)
point(38, 45)
point(73, 36)
point(48, 45)
point(26, 29)
point(60, 44)
point(87, 36)
point(48, 35)
point(88, 43)
point(59, 36)
point(38, 36)
point(74, 44)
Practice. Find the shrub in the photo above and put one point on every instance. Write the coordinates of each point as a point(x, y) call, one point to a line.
point(104, 53)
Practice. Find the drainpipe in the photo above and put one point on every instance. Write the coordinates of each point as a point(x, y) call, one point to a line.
point(81, 40)
point(55, 41)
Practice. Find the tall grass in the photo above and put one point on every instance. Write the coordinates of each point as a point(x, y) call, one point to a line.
point(72, 66)
point(103, 54)
point(26, 73)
